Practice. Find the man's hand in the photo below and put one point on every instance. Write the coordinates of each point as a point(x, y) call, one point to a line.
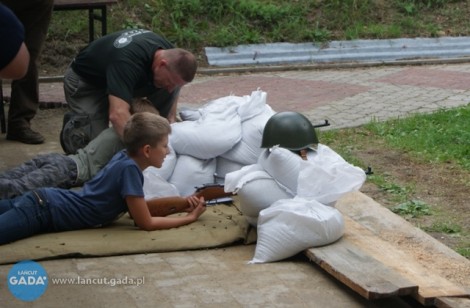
point(119, 113)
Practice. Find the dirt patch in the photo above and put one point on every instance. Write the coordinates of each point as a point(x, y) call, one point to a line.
point(443, 187)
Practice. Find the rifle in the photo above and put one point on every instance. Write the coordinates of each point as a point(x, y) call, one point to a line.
point(213, 194)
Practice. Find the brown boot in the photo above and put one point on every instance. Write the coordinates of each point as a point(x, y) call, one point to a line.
point(25, 135)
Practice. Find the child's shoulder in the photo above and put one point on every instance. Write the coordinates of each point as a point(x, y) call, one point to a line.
point(121, 159)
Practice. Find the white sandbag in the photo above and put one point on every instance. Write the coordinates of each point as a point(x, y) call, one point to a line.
point(248, 149)
point(256, 190)
point(220, 104)
point(189, 114)
point(235, 180)
point(258, 194)
point(215, 132)
point(290, 226)
point(225, 166)
point(155, 186)
point(252, 105)
point(326, 177)
point(283, 165)
point(191, 172)
point(248, 106)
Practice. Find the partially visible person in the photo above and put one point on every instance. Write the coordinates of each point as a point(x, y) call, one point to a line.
point(66, 171)
point(35, 16)
point(14, 56)
point(102, 80)
point(116, 189)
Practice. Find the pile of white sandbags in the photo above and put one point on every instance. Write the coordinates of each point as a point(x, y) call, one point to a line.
point(222, 136)
point(291, 200)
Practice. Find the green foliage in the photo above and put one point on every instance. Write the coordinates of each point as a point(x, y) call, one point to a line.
point(464, 251)
point(373, 31)
point(194, 24)
point(412, 209)
point(413, 7)
point(438, 137)
point(444, 227)
point(62, 28)
point(230, 22)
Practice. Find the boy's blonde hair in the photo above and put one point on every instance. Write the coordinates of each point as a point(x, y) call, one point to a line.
point(144, 128)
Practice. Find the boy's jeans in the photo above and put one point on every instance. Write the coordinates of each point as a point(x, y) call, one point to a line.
point(24, 216)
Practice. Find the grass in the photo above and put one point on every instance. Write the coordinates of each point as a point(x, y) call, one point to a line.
point(444, 227)
point(194, 24)
point(412, 209)
point(464, 251)
point(439, 137)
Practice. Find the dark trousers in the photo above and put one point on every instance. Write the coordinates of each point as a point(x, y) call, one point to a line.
point(35, 16)
point(47, 170)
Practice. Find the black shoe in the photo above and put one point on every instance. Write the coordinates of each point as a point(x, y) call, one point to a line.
point(25, 135)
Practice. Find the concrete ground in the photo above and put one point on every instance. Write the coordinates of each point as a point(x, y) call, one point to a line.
point(221, 277)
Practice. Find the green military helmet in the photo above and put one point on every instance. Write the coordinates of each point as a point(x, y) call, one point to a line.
point(290, 130)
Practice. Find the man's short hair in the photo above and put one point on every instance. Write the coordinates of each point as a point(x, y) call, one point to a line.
point(144, 128)
point(182, 62)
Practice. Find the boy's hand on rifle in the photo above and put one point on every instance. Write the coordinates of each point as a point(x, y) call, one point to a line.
point(196, 207)
point(193, 202)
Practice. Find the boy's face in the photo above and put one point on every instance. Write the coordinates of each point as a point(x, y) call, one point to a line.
point(158, 153)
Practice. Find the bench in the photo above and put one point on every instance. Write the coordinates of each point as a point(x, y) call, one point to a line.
point(91, 6)
point(66, 5)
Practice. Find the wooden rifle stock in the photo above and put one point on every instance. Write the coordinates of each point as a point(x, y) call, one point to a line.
point(212, 191)
point(169, 205)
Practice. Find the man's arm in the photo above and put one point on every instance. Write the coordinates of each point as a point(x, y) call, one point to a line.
point(119, 113)
point(18, 67)
point(174, 107)
point(14, 55)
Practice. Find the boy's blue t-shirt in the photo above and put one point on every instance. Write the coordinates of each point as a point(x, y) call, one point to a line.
point(101, 200)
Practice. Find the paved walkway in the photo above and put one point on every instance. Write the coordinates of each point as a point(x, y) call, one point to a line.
point(346, 97)
point(221, 277)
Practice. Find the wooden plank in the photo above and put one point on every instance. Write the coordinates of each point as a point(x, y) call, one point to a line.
point(431, 254)
point(452, 302)
point(376, 232)
point(359, 271)
point(81, 4)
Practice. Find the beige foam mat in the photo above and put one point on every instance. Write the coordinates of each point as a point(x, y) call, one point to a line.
point(220, 225)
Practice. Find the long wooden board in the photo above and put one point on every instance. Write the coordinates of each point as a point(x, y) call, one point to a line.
point(376, 236)
point(451, 302)
point(361, 272)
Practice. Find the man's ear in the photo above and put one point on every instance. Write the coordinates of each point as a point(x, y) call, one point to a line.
point(163, 62)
